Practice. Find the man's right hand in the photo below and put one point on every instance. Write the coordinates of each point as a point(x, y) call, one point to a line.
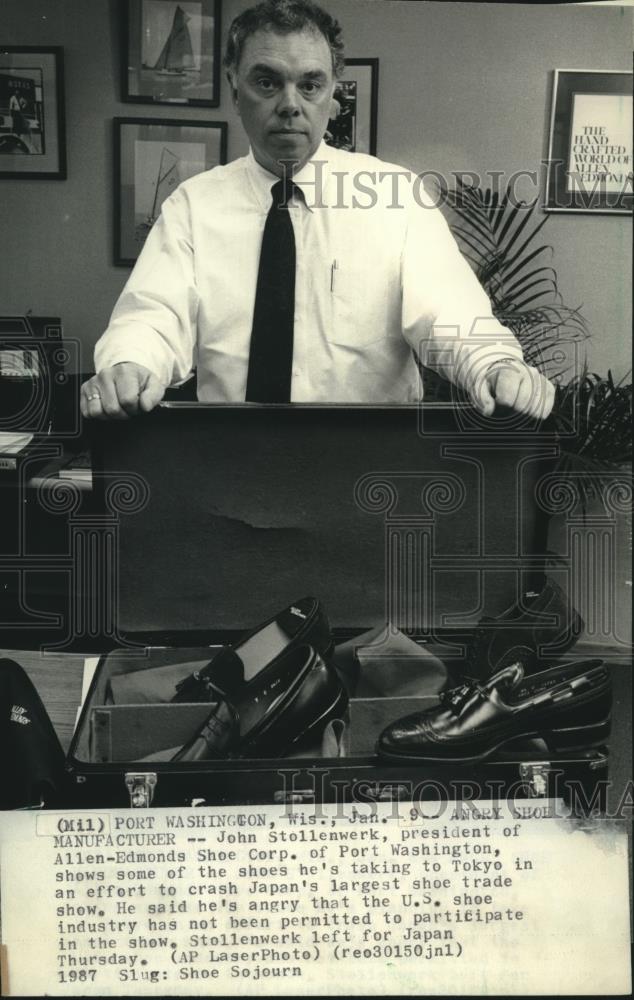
point(121, 391)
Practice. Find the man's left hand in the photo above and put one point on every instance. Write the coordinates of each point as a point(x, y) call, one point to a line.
point(517, 385)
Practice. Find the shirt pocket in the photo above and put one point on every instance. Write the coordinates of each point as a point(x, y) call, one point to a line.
point(365, 302)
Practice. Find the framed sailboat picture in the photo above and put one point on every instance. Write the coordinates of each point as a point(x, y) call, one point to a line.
point(172, 52)
point(152, 157)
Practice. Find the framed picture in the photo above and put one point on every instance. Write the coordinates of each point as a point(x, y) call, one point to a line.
point(152, 157)
point(32, 143)
point(172, 52)
point(356, 93)
point(590, 146)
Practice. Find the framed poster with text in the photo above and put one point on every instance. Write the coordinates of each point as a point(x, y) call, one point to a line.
point(590, 145)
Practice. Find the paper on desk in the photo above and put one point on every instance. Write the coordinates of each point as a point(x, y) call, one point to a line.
point(11, 444)
point(19, 363)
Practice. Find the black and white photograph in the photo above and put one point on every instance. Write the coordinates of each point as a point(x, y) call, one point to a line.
point(152, 157)
point(31, 113)
point(353, 126)
point(171, 52)
point(316, 498)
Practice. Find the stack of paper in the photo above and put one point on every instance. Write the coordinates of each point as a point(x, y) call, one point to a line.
point(19, 363)
point(78, 468)
point(12, 443)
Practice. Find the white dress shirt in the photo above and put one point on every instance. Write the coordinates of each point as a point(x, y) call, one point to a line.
point(378, 273)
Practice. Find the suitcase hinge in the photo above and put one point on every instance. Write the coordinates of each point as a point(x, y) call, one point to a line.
point(140, 788)
point(536, 777)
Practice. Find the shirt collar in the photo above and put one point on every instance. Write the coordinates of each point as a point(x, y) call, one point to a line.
point(312, 178)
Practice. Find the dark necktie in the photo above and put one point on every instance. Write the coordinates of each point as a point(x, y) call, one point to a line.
point(271, 351)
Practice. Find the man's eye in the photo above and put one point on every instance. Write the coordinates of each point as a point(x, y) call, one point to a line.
point(310, 87)
point(265, 83)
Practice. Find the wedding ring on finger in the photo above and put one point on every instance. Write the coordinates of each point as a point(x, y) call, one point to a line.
point(93, 395)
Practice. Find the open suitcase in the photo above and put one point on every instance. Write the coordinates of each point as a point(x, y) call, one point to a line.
point(120, 757)
point(215, 517)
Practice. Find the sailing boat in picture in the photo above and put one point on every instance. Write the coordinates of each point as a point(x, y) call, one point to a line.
point(167, 178)
point(177, 54)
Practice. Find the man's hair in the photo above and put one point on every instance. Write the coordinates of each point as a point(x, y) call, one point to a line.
point(284, 17)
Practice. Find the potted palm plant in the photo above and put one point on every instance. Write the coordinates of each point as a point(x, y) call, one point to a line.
point(592, 414)
point(498, 235)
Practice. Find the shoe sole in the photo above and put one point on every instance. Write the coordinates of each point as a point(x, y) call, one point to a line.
point(557, 741)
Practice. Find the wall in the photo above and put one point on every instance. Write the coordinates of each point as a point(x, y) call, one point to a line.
point(462, 87)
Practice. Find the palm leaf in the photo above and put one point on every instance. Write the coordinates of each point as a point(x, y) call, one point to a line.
point(592, 415)
point(523, 263)
point(593, 419)
point(520, 221)
point(531, 274)
point(498, 236)
point(472, 240)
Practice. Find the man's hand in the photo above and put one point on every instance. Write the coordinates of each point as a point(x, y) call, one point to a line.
point(513, 383)
point(121, 391)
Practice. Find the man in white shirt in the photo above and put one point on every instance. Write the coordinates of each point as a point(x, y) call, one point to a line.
point(377, 273)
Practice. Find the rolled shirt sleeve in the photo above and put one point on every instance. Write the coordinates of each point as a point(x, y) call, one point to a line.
point(446, 314)
point(154, 320)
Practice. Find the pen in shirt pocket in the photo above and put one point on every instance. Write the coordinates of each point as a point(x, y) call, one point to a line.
point(334, 267)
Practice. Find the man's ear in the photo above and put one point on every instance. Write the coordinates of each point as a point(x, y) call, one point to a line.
point(335, 107)
point(233, 89)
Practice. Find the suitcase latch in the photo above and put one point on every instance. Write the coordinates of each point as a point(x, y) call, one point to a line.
point(386, 792)
point(297, 795)
point(536, 777)
point(140, 788)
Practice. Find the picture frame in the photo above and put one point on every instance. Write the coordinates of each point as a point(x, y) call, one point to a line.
point(589, 167)
point(357, 92)
point(171, 52)
point(32, 124)
point(151, 157)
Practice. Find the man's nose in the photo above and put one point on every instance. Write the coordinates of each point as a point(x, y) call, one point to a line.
point(288, 105)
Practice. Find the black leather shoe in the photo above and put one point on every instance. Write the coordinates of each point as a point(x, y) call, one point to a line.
point(288, 702)
point(524, 632)
point(303, 623)
point(217, 736)
point(567, 706)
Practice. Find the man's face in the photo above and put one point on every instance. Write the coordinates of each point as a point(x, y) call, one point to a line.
point(283, 91)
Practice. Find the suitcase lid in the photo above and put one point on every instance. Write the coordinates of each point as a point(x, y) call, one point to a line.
point(225, 514)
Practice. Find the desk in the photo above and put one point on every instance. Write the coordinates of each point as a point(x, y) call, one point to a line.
point(36, 543)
